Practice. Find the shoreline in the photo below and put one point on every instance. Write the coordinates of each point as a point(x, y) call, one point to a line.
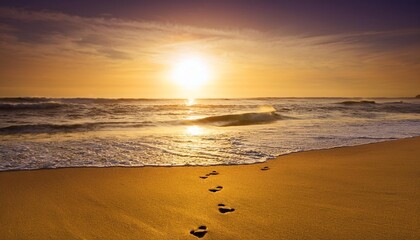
point(350, 192)
point(211, 165)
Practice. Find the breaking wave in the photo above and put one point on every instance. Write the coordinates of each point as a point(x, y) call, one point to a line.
point(241, 119)
point(25, 106)
point(364, 102)
point(77, 127)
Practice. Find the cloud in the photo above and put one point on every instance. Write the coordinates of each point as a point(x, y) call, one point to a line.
point(111, 38)
point(47, 36)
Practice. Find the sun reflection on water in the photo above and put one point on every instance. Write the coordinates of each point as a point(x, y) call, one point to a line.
point(190, 102)
point(194, 130)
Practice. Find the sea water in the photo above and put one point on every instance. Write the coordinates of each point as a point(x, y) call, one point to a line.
point(83, 132)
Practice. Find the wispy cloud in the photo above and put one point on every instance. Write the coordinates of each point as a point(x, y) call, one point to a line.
point(49, 32)
point(109, 37)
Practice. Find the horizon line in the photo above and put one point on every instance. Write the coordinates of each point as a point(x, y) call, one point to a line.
point(205, 98)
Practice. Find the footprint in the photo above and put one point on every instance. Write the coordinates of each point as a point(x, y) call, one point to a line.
point(265, 168)
point(209, 174)
point(212, 173)
point(199, 232)
point(216, 189)
point(224, 209)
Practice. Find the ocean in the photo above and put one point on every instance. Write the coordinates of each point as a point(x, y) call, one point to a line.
point(37, 133)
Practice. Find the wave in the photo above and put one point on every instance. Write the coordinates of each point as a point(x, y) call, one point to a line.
point(84, 100)
point(240, 119)
point(27, 106)
point(364, 102)
point(374, 107)
point(75, 127)
point(25, 99)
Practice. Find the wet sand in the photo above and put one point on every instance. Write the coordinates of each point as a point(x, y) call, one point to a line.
point(364, 192)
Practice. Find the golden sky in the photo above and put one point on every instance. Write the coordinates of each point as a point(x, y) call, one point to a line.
point(55, 54)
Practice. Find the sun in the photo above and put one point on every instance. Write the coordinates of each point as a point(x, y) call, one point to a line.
point(191, 72)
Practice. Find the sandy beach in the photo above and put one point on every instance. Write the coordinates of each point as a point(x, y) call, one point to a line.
point(364, 192)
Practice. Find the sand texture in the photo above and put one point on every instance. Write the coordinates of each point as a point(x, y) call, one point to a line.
point(364, 192)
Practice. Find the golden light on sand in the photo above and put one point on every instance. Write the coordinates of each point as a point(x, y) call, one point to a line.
point(191, 72)
point(194, 130)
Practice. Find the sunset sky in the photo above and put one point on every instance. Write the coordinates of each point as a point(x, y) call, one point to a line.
point(248, 48)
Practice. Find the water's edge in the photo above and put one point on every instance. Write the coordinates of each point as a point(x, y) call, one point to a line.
point(209, 165)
